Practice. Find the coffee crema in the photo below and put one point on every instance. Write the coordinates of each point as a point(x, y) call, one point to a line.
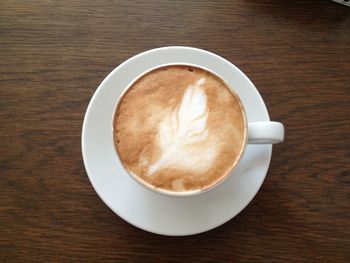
point(179, 128)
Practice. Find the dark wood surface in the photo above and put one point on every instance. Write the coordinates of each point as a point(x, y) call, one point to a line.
point(55, 53)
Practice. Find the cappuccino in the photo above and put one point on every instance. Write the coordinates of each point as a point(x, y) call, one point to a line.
point(179, 128)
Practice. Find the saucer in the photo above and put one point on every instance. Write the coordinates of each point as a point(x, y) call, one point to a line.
point(156, 213)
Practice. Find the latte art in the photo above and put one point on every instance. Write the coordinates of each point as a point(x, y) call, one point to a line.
point(179, 128)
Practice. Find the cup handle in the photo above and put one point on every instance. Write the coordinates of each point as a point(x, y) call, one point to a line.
point(265, 132)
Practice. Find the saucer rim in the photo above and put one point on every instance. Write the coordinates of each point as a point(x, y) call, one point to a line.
point(84, 140)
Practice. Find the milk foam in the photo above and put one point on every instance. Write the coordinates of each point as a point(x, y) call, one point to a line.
point(181, 130)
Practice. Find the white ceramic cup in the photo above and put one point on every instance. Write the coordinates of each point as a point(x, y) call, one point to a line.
point(263, 132)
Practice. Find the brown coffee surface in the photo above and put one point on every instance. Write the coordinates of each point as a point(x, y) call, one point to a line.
point(179, 128)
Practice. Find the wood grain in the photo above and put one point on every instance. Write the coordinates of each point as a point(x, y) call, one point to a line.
point(55, 53)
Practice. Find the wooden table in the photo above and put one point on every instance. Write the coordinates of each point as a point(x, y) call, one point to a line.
point(55, 53)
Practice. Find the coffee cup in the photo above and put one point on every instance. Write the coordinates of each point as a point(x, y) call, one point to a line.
point(180, 129)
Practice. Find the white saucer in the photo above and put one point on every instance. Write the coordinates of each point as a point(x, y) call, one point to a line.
point(153, 212)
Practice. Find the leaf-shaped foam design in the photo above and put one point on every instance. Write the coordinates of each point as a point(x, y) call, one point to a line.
point(182, 127)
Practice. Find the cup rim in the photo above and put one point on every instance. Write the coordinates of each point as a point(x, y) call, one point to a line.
point(157, 190)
